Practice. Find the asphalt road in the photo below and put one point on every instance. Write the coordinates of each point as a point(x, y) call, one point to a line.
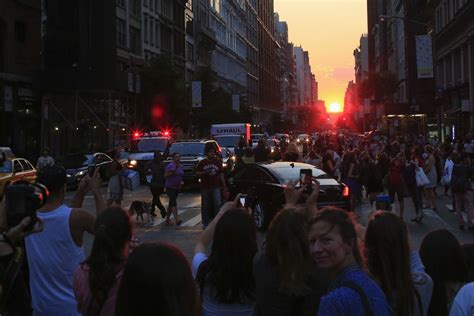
point(189, 203)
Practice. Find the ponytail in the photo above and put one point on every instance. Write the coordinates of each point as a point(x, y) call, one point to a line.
point(112, 232)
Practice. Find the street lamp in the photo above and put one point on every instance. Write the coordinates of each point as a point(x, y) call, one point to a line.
point(383, 18)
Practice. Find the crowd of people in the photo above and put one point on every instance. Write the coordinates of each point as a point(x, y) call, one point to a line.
point(312, 261)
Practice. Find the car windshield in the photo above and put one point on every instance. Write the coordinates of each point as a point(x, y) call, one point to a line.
point(6, 167)
point(149, 145)
point(77, 161)
point(187, 149)
point(228, 141)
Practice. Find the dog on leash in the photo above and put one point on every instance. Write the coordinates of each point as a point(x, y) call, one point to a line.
point(141, 207)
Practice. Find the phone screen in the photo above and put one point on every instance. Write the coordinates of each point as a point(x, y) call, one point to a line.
point(243, 199)
point(306, 177)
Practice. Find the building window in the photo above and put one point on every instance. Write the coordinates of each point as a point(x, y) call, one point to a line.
point(121, 33)
point(189, 52)
point(152, 32)
point(167, 8)
point(120, 3)
point(145, 3)
point(165, 38)
point(178, 42)
point(20, 31)
point(152, 4)
point(157, 33)
point(135, 40)
point(145, 28)
point(135, 7)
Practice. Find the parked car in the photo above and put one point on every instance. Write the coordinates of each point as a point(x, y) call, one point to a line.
point(77, 166)
point(15, 169)
point(264, 184)
point(193, 151)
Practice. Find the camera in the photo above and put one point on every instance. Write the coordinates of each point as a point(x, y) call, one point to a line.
point(24, 199)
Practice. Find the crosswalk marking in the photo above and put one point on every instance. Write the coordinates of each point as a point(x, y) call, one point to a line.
point(193, 221)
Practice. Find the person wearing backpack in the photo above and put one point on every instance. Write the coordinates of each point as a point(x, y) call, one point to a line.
point(334, 246)
point(461, 185)
point(398, 270)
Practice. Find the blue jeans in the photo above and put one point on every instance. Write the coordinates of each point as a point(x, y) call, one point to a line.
point(211, 201)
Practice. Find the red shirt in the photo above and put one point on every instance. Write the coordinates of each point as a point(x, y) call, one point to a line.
point(395, 172)
point(214, 169)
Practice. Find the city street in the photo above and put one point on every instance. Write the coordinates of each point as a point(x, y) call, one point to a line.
point(189, 205)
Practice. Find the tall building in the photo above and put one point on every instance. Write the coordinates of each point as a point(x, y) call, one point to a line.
point(398, 39)
point(20, 101)
point(454, 66)
point(269, 98)
point(287, 70)
point(91, 82)
point(163, 29)
point(227, 19)
point(304, 77)
point(253, 88)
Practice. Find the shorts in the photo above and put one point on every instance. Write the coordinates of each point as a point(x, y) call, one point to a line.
point(173, 196)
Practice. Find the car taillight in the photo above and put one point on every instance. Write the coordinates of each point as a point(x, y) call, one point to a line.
point(345, 192)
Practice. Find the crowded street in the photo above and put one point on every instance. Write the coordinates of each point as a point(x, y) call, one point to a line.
point(236, 158)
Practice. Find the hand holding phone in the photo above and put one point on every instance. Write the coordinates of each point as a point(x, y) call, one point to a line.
point(306, 180)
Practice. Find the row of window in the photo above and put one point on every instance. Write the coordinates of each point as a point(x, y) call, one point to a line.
point(152, 5)
point(454, 68)
point(130, 39)
point(151, 31)
point(446, 12)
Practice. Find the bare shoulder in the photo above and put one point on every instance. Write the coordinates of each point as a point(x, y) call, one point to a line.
point(81, 219)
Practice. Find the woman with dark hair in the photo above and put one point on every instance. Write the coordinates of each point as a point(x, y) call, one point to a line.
point(96, 280)
point(225, 277)
point(334, 246)
point(445, 263)
point(157, 280)
point(287, 280)
point(388, 260)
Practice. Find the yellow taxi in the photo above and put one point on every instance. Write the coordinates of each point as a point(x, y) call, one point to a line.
point(15, 169)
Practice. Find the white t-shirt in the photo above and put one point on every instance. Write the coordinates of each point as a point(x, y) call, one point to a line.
point(463, 304)
point(210, 307)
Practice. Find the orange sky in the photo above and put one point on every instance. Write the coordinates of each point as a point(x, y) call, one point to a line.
point(330, 30)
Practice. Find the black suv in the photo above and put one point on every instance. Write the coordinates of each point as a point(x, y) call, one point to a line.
point(192, 152)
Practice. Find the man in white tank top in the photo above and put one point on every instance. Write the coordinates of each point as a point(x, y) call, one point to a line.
point(54, 254)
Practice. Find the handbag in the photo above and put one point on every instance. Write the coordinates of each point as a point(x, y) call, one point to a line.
point(421, 178)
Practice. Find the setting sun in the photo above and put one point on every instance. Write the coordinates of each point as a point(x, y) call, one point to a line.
point(335, 107)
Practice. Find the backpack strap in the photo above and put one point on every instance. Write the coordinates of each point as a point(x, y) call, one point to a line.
point(363, 297)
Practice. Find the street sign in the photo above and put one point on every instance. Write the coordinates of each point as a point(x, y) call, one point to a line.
point(196, 94)
point(424, 56)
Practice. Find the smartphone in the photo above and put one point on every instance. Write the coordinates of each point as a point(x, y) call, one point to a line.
point(243, 200)
point(306, 179)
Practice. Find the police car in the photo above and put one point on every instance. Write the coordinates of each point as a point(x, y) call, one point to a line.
point(143, 148)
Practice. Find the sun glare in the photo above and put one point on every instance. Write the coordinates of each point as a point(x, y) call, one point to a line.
point(334, 107)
